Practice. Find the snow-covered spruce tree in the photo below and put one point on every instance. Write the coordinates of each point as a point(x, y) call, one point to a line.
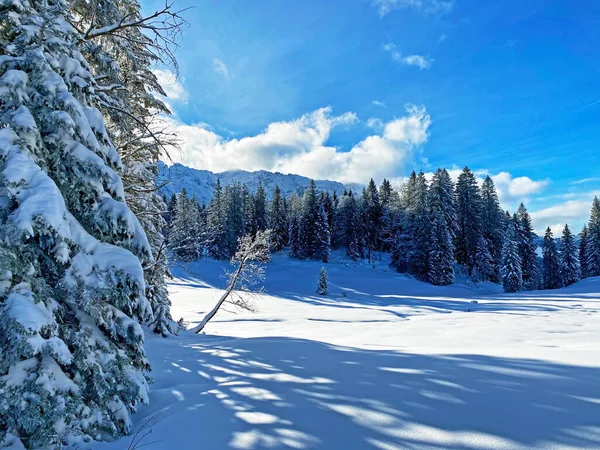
point(372, 214)
point(492, 225)
point(583, 251)
point(277, 219)
point(420, 229)
point(593, 241)
point(527, 249)
point(568, 259)
point(510, 268)
point(260, 209)
point(322, 244)
point(72, 293)
point(215, 224)
point(184, 238)
point(122, 47)
point(294, 238)
point(468, 213)
point(484, 264)
point(349, 226)
point(322, 285)
point(441, 222)
point(551, 267)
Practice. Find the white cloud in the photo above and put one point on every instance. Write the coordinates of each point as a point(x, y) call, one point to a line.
point(375, 123)
point(299, 146)
point(573, 212)
point(220, 67)
point(380, 104)
point(172, 87)
point(586, 180)
point(423, 6)
point(420, 61)
point(511, 189)
point(442, 37)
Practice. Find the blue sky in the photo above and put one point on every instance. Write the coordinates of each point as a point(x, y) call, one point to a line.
point(510, 88)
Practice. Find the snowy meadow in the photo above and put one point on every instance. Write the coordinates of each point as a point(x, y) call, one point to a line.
point(394, 363)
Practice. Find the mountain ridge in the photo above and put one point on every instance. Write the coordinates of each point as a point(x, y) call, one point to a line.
point(200, 183)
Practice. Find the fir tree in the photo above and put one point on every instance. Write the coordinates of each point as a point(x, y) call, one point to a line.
point(322, 285)
point(551, 267)
point(260, 209)
point(492, 225)
point(484, 263)
point(593, 241)
point(70, 247)
point(510, 269)
point(372, 214)
point(583, 251)
point(322, 244)
point(278, 221)
point(468, 211)
point(527, 249)
point(420, 229)
point(442, 224)
point(568, 259)
point(184, 239)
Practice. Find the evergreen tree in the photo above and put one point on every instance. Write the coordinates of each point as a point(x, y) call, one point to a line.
point(551, 272)
point(510, 269)
point(277, 221)
point(260, 210)
point(468, 211)
point(184, 239)
point(593, 241)
point(443, 225)
point(372, 215)
point(294, 238)
point(492, 225)
point(568, 259)
point(348, 226)
point(583, 251)
point(527, 249)
point(215, 224)
point(322, 285)
point(322, 244)
point(70, 247)
point(484, 264)
point(420, 229)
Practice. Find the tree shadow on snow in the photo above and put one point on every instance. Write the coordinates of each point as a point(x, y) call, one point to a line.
point(218, 393)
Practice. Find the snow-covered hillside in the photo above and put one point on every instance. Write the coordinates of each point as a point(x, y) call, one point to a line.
point(200, 183)
point(392, 364)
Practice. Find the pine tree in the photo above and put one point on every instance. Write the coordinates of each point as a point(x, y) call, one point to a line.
point(551, 272)
point(322, 285)
point(568, 259)
point(443, 225)
point(278, 221)
point(260, 210)
point(492, 225)
point(468, 211)
point(322, 244)
point(510, 269)
point(70, 247)
point(583, 251)
point(372, 214)
point(184, 238)
point(484, 263)
point(593, 241)
point(294, 238)
point(441, 256)
point(214, 237)
point(348, 226)
point(527, 249)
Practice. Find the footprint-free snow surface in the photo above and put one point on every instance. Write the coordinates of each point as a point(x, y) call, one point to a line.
point(392, 364)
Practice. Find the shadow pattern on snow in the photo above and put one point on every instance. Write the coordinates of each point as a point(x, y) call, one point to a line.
point(292, 393)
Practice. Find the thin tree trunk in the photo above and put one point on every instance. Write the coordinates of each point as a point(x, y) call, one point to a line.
point(198, 329)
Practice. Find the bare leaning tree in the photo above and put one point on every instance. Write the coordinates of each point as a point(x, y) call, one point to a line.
point(249, 269)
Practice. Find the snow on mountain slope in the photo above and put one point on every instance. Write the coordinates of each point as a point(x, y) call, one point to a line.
point(393, 364)
point(200, 183)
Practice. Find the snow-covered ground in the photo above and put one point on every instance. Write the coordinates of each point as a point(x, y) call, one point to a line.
point(394, 364)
